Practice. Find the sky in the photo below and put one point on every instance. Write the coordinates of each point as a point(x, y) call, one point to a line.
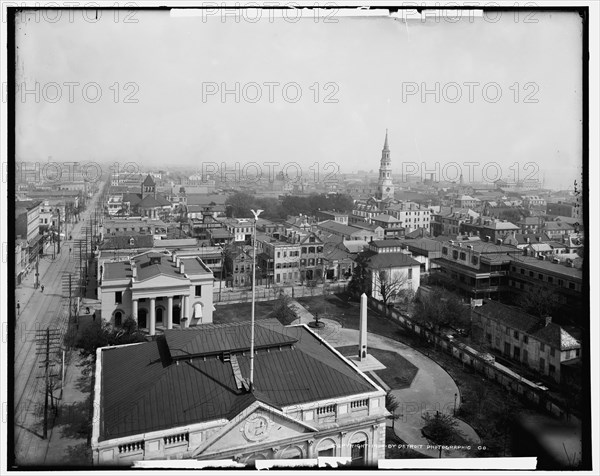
point(508, 98)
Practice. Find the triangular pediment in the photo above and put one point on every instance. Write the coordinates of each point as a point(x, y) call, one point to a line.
point(256, 425)
point(160, 280)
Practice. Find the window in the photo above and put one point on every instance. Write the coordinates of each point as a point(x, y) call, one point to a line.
point(550, 279)
point(531, 274)
point(571, 285)
point(516, 353)
point(198, 290)
point(311, 249)
point(444, 250)
point(304, 249)
point(560, 282)
point(118, 318)
point(279, 254)
point(541, 277)
point(542, 347)
point(488, 337)
point(410, 272)
point(119, 297)
point(525, 340)
point(551, 369)
point(525, 356)
point(542, 365)
point(513, 268)
point(522, 271)
point(552, 352)
point(358, 452)
point(455, 254)
point(475, 260)
point(463, 255)
point(507, 348)
point(516, 334)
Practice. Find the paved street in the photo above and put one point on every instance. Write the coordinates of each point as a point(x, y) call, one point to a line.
point(40, 310)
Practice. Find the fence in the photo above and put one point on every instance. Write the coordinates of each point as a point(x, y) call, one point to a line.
point(483, 363)
point(262, 293)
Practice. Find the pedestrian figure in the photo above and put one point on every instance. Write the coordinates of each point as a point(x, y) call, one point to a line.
point(42, 288)
point(69, 250)
point(18, 308)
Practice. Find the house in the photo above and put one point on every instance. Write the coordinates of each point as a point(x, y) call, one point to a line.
point(189, 394)
point(530, 224)
point(448, 220)
point(522, 240)
point(411, 215)
point(478, 269)
point(27, 226)
point(538, 343)
point(239, 266)
point(368, 231)
point(424, 250)
point(346, 232)
point(311, 258)
point(388, 260)
point(564, 280)
point(489, 229)
point(556, 230)
point(533, 201)
point(339, 261)
point(466, 201)
point(392, 227)
point(279, 261)
point(157, 289)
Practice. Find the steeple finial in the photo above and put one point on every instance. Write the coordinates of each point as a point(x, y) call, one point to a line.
point(385, 145)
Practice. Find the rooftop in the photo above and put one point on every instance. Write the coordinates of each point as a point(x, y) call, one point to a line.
point(389, 260)
point(201, 386)
point(547, 265)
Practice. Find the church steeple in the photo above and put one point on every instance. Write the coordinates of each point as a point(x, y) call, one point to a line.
point(385, 187)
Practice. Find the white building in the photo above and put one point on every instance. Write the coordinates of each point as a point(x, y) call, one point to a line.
point(188, 395)
point(159, 290)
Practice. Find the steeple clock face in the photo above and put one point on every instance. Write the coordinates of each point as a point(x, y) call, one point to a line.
point(388, 189)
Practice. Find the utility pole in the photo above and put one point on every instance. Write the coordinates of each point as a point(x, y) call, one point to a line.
point(58, 210)
point(37, 272)
point(47, 342)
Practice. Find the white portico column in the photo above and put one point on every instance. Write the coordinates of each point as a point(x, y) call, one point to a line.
point(186, 311)
point(134, 311)
point(152, 316)
point(170, 312)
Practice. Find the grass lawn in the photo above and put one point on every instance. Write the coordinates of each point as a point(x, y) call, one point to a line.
point(337, 307)
point(399, 372)
point(240, 312)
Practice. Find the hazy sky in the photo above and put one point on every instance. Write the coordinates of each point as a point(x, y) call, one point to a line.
point(377, 68)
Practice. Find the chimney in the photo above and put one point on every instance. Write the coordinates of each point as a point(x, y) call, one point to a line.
point(498, 241)
point(547, 320)
point(527, 240)
point(539, 238)
point(181, 267)
point(133, 270)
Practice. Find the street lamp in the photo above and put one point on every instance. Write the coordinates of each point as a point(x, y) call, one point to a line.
point(256, 214)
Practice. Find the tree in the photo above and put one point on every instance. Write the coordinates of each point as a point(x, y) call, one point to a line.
point(389, 286)
point(239, 204)
point(441, 308)
point(441, 429)
point(102, 334)
point(283, 310)
point(392, 404)
point(361, 278)
point(539, 302)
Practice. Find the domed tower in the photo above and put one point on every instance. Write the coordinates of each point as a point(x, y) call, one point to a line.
point(385, 188)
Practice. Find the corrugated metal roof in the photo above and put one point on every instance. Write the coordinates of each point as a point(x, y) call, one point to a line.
point(144, 390)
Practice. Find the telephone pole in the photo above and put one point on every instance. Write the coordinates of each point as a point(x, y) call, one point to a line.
point(47, 342)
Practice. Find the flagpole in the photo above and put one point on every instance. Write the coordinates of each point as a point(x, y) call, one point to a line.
point(256, 214)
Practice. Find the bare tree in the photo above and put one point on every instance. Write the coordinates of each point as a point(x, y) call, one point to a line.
point(539, 302)
point(389, 286)
point(392, 404)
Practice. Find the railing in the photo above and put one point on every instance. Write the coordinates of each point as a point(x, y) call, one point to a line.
point(131, 447)
point(173, 440)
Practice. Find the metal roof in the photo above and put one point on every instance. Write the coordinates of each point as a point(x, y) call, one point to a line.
point(143, 389)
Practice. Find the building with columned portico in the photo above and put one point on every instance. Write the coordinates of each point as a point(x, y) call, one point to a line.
point(158, 289)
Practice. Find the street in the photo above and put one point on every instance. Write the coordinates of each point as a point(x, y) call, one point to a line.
point(38, 311)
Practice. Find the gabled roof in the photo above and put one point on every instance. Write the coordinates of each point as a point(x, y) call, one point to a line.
point(152, 392)
point(418, 233)
point(557, 337)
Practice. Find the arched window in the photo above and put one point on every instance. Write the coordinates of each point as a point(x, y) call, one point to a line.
point(118, 318)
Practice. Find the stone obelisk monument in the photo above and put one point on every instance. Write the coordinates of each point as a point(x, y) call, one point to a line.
point(362, 336)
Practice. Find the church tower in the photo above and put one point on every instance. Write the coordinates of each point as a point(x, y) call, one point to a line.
point(385, 187)
point(148, 187)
